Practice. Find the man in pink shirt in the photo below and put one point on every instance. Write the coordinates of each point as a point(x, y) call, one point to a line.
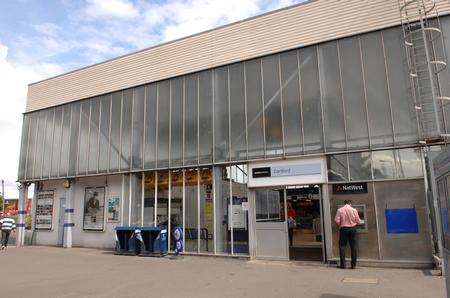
point(347, 218)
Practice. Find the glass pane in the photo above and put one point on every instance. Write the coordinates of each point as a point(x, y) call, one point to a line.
point(409, 163)
point(136, 199)
point(293, 138)
point(74, 132)
point(269, 205)
point(353, 91)
point(115, 131)
point(222, 192)
point(150, 127)
point(237, 113)
point(162, 201)
point(23, 146)
point(331, 97)
point(337, 167)
point(84, 137)
point(40, 145)
point(65, 141)
point(444, 76)
point(138, 126)
point(176, 110)
point(105, 109)
point(126, 200)
point(190, 120)
point(163, 123)
point(312, 118)
point(221, 136)
point(149, 199)
point(48, 143)
point(93, 135)
point(383, 164)
point(272, 106)
point(31, 145)
point(206, 211)
point(125, 153)
point(205, 116)
point(376, 90)
point(255, 120)
point(176, 203)
point(191, 213)
point(360, 166)
point(405, 122)
point(56, 152)
point(239, 215)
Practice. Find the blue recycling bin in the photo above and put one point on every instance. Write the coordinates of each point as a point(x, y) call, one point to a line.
point(145, 241)
point(155, 241)
point(128, 241)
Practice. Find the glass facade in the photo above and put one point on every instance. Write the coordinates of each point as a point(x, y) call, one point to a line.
point(344, 95)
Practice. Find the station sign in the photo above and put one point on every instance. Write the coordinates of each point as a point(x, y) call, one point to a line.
point(288, 170)
point(349, 188)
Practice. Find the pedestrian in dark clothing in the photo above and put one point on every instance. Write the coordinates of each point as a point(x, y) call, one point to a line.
point(8, 225)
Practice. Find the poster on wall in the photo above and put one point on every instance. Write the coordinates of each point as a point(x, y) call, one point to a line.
point(113, 209)
point(44, 210)
point(94, 209)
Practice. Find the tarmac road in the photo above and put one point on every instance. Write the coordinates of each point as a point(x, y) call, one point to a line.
point(79, 272)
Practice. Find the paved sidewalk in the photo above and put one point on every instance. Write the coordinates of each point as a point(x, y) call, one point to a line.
point(57, 272)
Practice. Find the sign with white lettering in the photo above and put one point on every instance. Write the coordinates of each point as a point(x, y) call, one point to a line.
point(349, 188)
point(290, 170)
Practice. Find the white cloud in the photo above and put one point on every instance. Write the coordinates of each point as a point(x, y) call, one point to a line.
point(14, 79)
point(111, 9)
point(49, 29)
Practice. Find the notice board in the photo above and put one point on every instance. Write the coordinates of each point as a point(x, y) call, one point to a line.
point(401, 221)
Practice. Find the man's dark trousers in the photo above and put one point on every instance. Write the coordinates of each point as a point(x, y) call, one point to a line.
point(347, 234)
point(5, 237)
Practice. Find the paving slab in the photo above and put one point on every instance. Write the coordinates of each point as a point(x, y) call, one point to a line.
point(40, 271)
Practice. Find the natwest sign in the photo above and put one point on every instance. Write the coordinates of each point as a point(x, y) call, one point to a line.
point(349, 188)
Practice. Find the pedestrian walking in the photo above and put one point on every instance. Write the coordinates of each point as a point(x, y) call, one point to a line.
point(8, 225)
point(347, 218)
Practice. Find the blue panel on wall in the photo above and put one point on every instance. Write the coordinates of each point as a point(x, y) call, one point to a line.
point(401, 221)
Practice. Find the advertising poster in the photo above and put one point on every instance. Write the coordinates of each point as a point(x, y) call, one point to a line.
point(44, 210)
point(94, 209)
point(113, 209)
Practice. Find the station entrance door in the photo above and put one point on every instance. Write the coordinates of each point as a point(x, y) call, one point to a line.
point(289, 223)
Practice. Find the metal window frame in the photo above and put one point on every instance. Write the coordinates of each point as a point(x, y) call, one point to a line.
point(119, 157)
point(89, 136)
point(108, 167)
point(77, 167)
point(302, 120)
point(280, 88)
point(263, 107)
point(245, 111)
point(144, 132)
point(324, 139)
point(199, 243)
point(229, 114)
point(157, 128)
point(169, 206)
point(130, 160)
point(184, 209)
point(369, 135)
point(341, 86)
point(388, 87)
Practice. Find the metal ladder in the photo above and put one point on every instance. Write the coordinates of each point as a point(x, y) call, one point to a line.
point(421, 35)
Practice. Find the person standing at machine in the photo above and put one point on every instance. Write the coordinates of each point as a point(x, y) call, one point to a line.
point(347, 218)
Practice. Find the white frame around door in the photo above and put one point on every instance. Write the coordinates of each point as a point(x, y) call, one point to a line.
point(325, 216)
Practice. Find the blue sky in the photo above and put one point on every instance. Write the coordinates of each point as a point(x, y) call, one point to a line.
point(43, 38)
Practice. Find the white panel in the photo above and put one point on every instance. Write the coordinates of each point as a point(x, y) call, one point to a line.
point(271, 240)
point(295, 166)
